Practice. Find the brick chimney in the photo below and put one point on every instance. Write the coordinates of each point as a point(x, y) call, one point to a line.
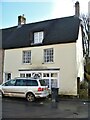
point(77, 9)
point(21, 20)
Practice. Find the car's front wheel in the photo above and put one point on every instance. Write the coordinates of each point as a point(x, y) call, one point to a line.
point(30, 97)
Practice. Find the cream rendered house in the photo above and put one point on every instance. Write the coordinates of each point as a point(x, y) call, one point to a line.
point(51, 49)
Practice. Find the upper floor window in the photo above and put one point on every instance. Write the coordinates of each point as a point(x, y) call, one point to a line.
point(27, 56)
point(48, 55)
point(38, 37)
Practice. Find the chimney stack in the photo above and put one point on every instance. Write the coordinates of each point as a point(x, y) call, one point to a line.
point(77, 9)
point(21, 20)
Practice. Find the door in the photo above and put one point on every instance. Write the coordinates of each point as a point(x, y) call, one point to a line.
point(7, 76)
point(20, 88)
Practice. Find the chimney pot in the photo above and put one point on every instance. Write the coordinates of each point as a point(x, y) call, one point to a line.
point(77, 9)
point(21, 20)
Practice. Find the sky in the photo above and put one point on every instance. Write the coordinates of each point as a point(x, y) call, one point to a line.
point(37, 10)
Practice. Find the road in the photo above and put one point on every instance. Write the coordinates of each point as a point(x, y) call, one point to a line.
point(42, 108)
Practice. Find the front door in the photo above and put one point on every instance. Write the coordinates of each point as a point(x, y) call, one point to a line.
point(7, 76)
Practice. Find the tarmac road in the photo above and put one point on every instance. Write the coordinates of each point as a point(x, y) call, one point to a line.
point(42, 108)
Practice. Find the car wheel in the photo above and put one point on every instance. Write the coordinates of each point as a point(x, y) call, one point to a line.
point(30, 97)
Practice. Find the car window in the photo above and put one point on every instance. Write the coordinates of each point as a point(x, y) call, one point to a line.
point(42, 82)
point(20, 82)
point(10, 83)
point(32, 83)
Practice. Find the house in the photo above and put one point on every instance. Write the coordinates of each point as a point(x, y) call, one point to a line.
point(51, 49)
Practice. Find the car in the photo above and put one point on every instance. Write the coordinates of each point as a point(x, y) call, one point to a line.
point(29, 88)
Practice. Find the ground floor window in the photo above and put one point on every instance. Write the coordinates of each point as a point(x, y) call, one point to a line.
point(7, 76)
point(51, 77)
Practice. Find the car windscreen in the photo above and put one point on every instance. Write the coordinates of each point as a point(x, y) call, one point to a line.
point(42, 82)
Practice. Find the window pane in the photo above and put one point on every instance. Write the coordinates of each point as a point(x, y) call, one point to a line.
point(54, 83)
point(32, 83)
point(42, 82)
point(26, 56)
point(29, 83)
point(20, 82)
point(38, 37)
point(53, 74)
point(48, 55)
point(45, 74)
point(28, 75)
point(22, 75)
point(47, 82)
point(10, 83)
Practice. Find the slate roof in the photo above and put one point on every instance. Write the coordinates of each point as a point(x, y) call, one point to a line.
point(56, 31)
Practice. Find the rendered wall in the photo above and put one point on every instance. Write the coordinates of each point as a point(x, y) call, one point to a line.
point(64, 58)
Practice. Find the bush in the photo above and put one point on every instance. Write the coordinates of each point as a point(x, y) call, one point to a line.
point(83, 90)
point(84, 85)
point(83, 93)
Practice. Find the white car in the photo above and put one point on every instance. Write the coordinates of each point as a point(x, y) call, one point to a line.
point(29, 88)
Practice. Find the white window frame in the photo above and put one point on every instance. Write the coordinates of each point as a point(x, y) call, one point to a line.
point(49, 55)
point(49, 78)
point(38, 37)
point(26, 57)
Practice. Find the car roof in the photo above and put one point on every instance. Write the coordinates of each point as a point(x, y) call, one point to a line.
point(25, 78)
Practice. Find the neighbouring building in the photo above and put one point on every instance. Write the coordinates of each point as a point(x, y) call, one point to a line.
point(1, 65)
point(1, 58)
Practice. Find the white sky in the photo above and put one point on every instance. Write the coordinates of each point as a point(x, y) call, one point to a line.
point(63, 8)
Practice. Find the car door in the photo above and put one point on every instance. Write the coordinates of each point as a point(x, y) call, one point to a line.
point(8, 88)
point(32, 85)
point(20, 88)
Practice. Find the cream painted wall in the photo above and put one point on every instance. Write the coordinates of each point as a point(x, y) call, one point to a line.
point(79, 56)
point(64, 58)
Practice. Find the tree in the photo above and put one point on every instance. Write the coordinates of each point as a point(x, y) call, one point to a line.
point(85, 28)
point(86, 40)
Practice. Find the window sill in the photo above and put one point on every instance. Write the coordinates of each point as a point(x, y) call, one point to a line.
point(48, 63)
point(26, 63)
point(36, 43)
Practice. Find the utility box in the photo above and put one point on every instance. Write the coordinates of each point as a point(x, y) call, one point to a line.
point(54, 91)
point(54, 94)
